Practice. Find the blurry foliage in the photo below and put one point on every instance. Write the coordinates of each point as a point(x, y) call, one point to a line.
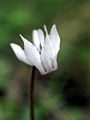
point(73, 22)
point(7, 110)
point(5, 70)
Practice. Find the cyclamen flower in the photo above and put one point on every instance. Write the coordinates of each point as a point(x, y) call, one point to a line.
point(42, 53)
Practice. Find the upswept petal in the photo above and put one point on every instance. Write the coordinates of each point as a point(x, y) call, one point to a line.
point(55, 64)
point(19, 52)
point(32, 55)
point(49, 48)
point(55, 39)
point(45, 28)
point(41, 37)
point(46, 61)
point(36, 40)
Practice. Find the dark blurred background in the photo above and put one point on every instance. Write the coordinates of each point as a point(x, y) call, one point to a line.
point(63, 94)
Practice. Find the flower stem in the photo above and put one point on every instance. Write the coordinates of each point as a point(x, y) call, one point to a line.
point(32, 94)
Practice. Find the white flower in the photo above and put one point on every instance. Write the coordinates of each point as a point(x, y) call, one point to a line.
point(42, 53)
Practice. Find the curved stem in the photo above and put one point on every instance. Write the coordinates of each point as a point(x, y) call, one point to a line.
point(32, 94)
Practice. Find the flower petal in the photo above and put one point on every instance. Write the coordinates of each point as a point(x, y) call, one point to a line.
point(47, 63)
point(55, 39)
point(49, 51)
point(55, 64)
point(45, 28)
point(36, 40)
point(41, 37)
point(32, 54)
point(20, 53)
point(48, 47)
